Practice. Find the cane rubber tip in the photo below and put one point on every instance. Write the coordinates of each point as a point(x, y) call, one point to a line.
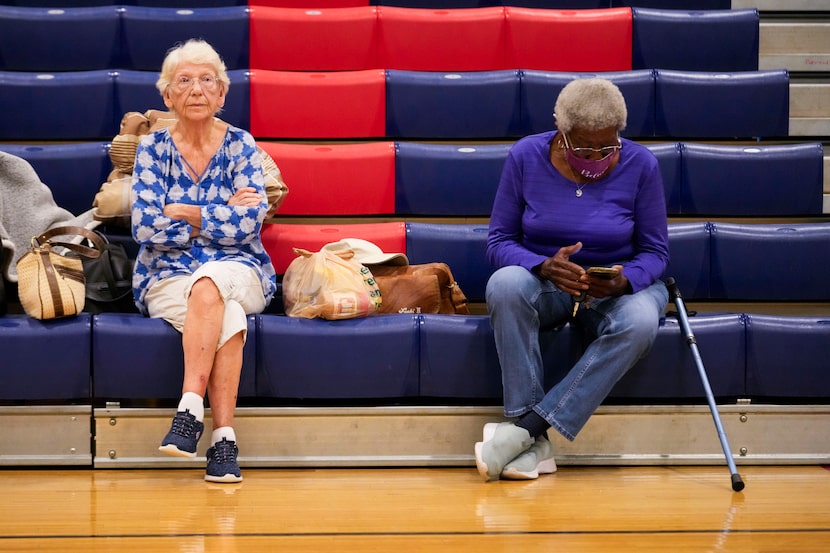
point(737, 482)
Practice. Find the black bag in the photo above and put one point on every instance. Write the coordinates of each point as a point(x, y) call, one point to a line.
point(109, 280)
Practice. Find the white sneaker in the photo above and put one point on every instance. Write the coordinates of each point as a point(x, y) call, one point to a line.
point(533, 462)
point(502, 442)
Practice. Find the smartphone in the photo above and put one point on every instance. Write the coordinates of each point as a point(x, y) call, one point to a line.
point(603, 272)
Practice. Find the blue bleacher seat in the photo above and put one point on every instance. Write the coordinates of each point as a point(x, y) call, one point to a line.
point(136, 91)
point(139, 358)
point(690, 258)
point(459, 359)
point(770, 262)
point(187, 3)
point(75, 105)
point(425, 104)
point(787, 356)
point(669, 372)
point(67, 39)
point(461, 246)
point(675, 4)
point(668, 156)
point(45, 360)
point(447, 179)
point(74, 172)
point(707, 40)
point(150, 32)
point(539, 90)
point(776, 180)
point(743, 104)
point(371, 357)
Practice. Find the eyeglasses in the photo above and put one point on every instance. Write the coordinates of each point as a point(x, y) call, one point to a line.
point(604, 152)
point(185, 82)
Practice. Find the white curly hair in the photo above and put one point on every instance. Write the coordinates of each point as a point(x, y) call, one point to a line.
point(591, 104)
point(192, 51)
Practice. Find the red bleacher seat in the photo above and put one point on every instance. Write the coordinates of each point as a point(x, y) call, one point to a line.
point(336, 39)
point(279, 239)
point(341, 104)
point(465, 39)
point(568, 40)
point(336, 179)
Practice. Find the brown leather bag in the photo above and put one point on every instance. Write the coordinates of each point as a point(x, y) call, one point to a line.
point(423, 288)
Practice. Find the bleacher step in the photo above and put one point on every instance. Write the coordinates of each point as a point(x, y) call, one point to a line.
point(444, 436)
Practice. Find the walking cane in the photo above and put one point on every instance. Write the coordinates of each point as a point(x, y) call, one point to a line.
point(671, 284)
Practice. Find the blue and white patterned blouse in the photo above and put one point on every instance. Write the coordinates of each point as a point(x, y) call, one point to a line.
point(229, 233)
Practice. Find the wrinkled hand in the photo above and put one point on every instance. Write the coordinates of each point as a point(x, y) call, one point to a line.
point(246, 197)
point(573, 279)
point(567, 276)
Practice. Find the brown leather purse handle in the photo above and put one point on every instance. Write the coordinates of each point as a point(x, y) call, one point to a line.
point(97, 240)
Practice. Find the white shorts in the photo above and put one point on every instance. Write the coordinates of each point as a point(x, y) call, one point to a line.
point(238, 284)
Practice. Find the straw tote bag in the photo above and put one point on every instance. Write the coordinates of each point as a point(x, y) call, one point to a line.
point(51, 285)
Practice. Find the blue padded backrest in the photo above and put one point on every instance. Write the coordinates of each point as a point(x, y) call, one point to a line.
point(689, 258)
point(752, 180)
point(701, 104)
point(539, 90)
point(150, 32)
point(461, 246)
point(45, 360)
point(136, 91)
point(73, 172)
point(188, 3)
point(711, 40)
point(669, 370)
point(669, 157)
point(372, 357)
point(426, 104)
point(76, 105)
point(458, 357)
point(787, 356)
point(675, 4)
point(759, 262)
point(137, 357)
point(65, 39)
point(447, 179)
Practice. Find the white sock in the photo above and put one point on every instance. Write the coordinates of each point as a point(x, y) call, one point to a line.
point(194, 403)
point(223, 432)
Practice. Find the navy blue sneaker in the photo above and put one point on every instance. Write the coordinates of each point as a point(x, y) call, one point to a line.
point(221, 462)
point(183, 437)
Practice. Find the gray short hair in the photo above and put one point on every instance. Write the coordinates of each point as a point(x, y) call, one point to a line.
point(192, 51)
point(590, 104)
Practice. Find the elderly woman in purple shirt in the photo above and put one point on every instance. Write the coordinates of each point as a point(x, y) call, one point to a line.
point(568, 201)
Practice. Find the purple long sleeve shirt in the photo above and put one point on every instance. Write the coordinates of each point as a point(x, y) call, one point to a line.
point(620, 219)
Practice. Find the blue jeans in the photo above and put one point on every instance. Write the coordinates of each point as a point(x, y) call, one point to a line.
point(622, 329)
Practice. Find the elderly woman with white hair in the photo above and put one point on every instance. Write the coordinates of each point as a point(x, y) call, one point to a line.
point(198, 206)
point(579, 234)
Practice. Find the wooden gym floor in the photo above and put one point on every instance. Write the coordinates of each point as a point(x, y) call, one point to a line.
point(579, 509)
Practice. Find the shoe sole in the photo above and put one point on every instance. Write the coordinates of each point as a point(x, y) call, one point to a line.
point(548, 466)
point(174, 451)
point(487, 435)
point(226, 479)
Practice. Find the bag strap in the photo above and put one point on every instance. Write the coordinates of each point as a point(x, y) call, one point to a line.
point(95, 238)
